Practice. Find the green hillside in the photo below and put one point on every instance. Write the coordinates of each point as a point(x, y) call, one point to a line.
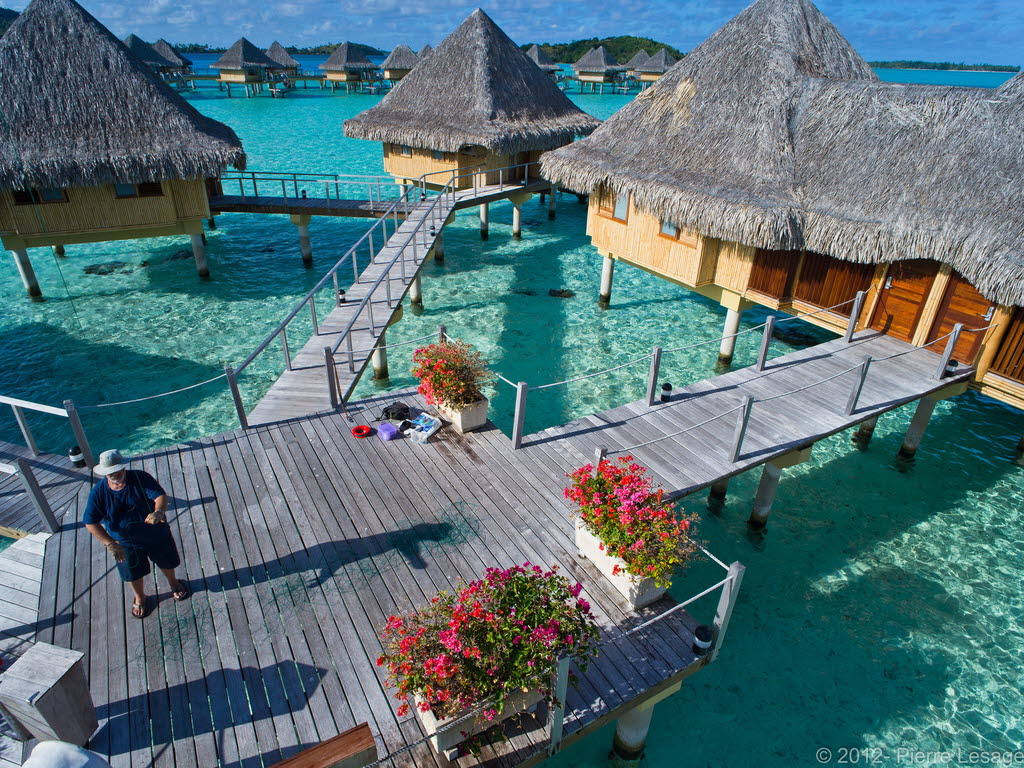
point(622, 48)
point(903, 64)
point(326, 49)
point(6, 17)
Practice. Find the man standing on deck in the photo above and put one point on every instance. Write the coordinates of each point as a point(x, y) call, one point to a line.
point(126, 513)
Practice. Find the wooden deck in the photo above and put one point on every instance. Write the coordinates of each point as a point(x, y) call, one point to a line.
point(57, 477)
point(304, 390)
point(298, 541)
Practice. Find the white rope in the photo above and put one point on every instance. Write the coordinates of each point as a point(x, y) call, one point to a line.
point(396, 344)
point(716, 340)
point(678, 607)
point(510, 383)
point(154, 397)
point(815, 312)
point(812, 384)
point(674, 434)
point(591, 375)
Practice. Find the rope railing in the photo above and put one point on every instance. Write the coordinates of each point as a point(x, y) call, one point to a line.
point(590, 375)
point(821, 311)
point(93, 406)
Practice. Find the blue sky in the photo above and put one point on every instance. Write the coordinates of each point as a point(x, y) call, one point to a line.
point(970, 31)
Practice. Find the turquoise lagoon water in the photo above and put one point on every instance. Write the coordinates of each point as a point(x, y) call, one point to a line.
point(883, 608)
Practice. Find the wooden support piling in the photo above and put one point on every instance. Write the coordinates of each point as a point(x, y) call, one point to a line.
point(416, 291)
point(607, 276)
point(27, 274)
point(551, 204)
point(484, 220)
point(439, 246)
point(918, 424)
point(729, 331)
point(1019, 458)
point(58, 251)
point(766, 488)
point(199, 252)
point(380, 358)
point(864, 432)
point(517, 220)
point(718, 491)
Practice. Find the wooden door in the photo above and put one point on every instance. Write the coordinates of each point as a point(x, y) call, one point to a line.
point(1009, 360)
point(962, 303)
point(903, 295)
point(771, 272)
point(826, 281)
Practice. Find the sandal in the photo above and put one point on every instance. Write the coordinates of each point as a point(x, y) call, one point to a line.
point(181, 593)
point(140, 610)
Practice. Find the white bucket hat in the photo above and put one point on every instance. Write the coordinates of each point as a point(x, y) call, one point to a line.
point(110, 462)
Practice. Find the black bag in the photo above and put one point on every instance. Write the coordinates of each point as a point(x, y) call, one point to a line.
point(396, 412)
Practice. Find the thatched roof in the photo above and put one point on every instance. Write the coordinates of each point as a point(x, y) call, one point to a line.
point(346, 58)
point(541, 59)
point(597, 60)
point(145, 52)
point(477, 89)
point(166, 50)
point(277, 54)
point(776, 133)
point(425, 51)
point(1014, 86)
point(658, 64)
point(79, 110)
point(244, 55)
point(402, 57)
point(640, 58)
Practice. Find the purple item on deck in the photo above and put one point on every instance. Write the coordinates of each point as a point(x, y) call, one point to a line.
point(387, 431)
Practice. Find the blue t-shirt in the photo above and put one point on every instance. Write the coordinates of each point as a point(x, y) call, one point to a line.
point(122, 511)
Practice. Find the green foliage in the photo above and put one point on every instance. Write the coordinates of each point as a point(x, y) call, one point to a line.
point(7, 16)
point(903, 64)
point(622, 48)
point(324, 50)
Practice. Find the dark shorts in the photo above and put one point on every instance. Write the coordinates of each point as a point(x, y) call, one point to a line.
point(149, 545)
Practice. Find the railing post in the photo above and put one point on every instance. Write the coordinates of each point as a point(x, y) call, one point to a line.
point(858, 385)
point(520, 415)
point(236, 396)
point(652, 375)
point(351, 354)
point(851, 326)
point(35, 493)
point(947, 353)
point(766, 340)
point(312, 314)
point(30, 440)
point(284, 348)
point(599, 454)
point(726, 602)
point(442, 334)
point(741, 426)
point(332, 381)
point(556, 714)
point(79, 432)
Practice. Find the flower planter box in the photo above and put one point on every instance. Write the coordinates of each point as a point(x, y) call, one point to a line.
point(638, 592)
point(447, 741)
point(467, 418)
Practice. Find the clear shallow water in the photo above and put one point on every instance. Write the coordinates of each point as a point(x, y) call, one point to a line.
point(883, 609)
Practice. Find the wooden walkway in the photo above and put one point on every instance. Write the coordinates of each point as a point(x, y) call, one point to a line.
point(304, 390)
point(298, 541)
point(701, 454)
point(310, 206)
point(57, 477)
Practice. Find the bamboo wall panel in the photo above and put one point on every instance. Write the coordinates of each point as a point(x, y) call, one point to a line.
point(238, 76)
point(735, 262)
point(420, 162)
point(1009, 360)
point(825, 281)
point(97, 208)
point(962, 303)
point(903, 296)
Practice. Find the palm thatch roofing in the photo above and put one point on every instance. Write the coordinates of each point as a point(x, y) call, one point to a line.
point(775, 133)
point(402, 57)
point(541, 59)
point(477, 89)
point(244, 55)
point(166, 50)
point(658, 64)
point(58, 129)
point(277, 54)
point(346, 58)
point(145, 52)
point(597, 60)
point(640, 58)
point(1014, 86)
point(425, 51)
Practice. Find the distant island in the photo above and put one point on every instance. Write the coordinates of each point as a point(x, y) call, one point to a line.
point(325, 49)
point(6, 17)
point(623, 48)
point(901, 64)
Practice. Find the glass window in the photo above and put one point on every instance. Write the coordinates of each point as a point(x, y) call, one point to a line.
point(405, 150)
point(437, 155)
point(669, 230)
point(22, 196)
point(125, 190)
point(46, 195)
point(52, 195)
point(150, 189)
point(621, 211)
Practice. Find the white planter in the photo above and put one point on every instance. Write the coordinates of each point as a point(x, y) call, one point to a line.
point(467, 418)
point(447, 741)
point(638, 592)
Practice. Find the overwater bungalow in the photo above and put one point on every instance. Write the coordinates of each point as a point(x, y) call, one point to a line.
point(244, 63)
point(346, 65)
point(83, 164)
point(597, 67)
point(640, 58)
point(478, 102)
point(657, 65)
point(399, 63)
point(542, 60)
point(425, 51)
point(180, 64)
point(145, 53)
point(286, 64)
point(772, 167)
